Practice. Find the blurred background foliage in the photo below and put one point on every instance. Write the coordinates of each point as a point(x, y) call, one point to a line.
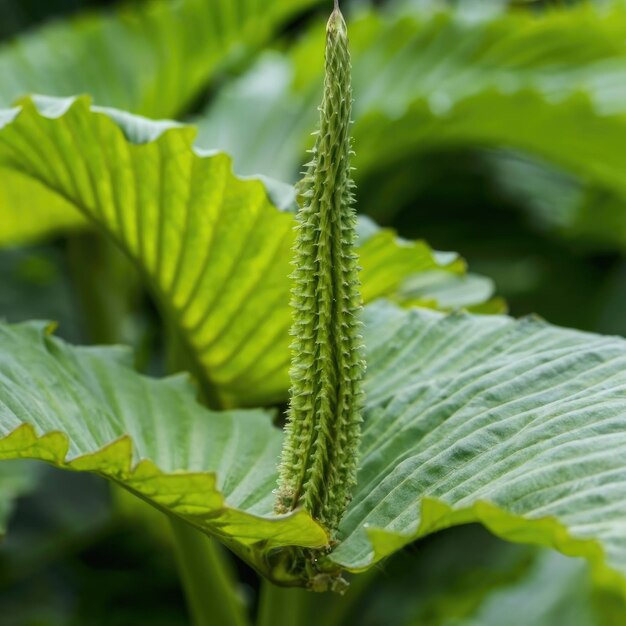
point(492, 128)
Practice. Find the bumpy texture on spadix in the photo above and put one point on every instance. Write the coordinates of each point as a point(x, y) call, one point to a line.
point(319, 456)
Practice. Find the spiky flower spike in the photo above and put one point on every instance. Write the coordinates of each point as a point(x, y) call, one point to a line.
point(322, 436)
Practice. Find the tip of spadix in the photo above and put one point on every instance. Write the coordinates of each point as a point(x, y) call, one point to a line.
point(336, 21)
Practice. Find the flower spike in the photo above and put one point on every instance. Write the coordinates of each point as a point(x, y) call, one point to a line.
point(319, 457)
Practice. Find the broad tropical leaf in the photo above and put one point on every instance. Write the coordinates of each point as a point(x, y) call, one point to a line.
point(552, 590)
point(516, 424)
point(85, 409)
point(446, 291)
point(549, 85)
point(176, 49)
point(561, 203)
point(214, 248)
point(468, 577)
point(152, 57)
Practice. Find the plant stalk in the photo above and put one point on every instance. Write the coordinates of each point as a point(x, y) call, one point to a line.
point(106, 284)
point(338, 609)
point(205, 571)
point(209, 585)
point(283, 606)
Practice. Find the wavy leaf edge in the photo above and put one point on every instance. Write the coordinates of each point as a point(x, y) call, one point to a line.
point(114, 461)
point(548, 532)
point(86, 174)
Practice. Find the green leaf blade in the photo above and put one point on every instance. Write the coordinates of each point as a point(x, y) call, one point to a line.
point(152, 58)
point(442, 82)
point(518, 425)
point(84, 409)
point(213, 247)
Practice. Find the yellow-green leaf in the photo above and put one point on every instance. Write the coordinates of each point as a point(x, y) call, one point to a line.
point(214, 248)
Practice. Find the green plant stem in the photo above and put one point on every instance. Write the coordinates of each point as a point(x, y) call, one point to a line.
point(106, 284)
point(282, 606)
point(209, 585)
point(340, 608)
point(205, 571)
point(181, 359)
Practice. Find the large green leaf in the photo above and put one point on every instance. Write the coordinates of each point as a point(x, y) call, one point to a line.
point(559, 202)
point(552, 590)
point(214, 248)
point(84, 409)
point(516, 424)
point(447, 291)
point(468, 577)
point(153, 57)
point(548, 84)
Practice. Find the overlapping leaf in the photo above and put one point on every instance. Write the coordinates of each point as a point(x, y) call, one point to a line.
point(215, 249)
point(550, 85)
point(559, 202)
point(447, 291)
point(152, 57)
point(85, 409)
point(517, 424)
point(470, 578)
